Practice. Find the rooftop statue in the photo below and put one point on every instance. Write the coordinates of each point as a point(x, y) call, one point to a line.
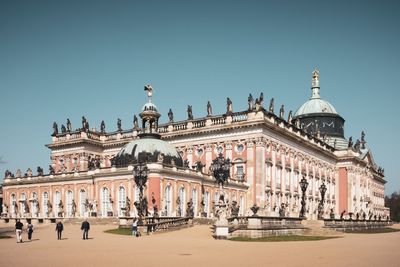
point(315, 80)
point(39, 171)
point(18, 173)
point(282, 112)
point(258, 105)
point(69, 126)
point(51, 170)
point(55, 128)
point(363, 140)
point(250, 102)
point(135, 122)
point(290, 117)
point(63, 129)
point(229, 108)
point(102, 127)
point(119, 125)
point(170, 115)
point(149, 91)
point(350, 145)
point(261, 98)
point(209, 109)
point(190, 113)
point(271, 106)
point(84, 122)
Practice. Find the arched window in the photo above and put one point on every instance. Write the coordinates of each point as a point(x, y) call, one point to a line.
point(69, 203)
point(82, 202)
point(13, 204)
point(183, 201)
point(168, 203)
point(45, 198)
point(56, 203)
point(194, 199)
point(121, 200)
point(105, 201)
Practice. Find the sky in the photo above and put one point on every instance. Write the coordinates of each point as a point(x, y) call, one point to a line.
point(66, 59)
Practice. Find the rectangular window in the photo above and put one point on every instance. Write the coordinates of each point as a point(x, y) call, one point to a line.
point(239, 173)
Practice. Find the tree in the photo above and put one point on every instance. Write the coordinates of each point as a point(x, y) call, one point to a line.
point(393, 202)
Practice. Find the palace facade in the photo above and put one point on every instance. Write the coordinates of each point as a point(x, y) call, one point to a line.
point(91, 172)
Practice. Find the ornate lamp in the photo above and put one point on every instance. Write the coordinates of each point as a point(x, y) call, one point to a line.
point(220, 168)
point(140, 172)
point(303, 186)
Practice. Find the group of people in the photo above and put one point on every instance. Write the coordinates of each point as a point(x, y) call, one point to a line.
point(85, 227)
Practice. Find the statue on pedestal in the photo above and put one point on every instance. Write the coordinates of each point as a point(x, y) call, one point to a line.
point(49, 208)
point(63, 129)
point(190, 112)
point(128, 207)
point(170, 116)
point(135, 122)
point(282, 112)
point(271, 106)
point(51, 170)
point(69, 126)
point(209, 109)
point(55, 129)
point(102, 127)
point(119, 125)
point(229, 108)
point(235, 209)
point(250, 102)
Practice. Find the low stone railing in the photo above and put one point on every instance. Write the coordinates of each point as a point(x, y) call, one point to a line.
point(157, 224)
point(344, 225)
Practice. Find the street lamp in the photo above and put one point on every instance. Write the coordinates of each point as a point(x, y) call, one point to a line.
point(303, 186)
point(322, 190)
point(140, 172)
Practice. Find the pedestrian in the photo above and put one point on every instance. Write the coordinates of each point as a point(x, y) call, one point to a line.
point(18, 231)
point(30, 231)
point(85, 227)
point(134, 228)
point(59, 229)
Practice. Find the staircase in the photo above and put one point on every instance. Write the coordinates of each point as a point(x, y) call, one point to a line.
point(316, 228)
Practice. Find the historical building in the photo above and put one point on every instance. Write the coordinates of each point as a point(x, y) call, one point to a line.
point(92, 172)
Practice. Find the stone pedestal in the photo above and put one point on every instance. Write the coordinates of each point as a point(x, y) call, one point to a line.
point(221, 229)
point(254, 223)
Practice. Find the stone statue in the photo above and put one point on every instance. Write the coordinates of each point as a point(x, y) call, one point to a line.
point(18, 173)
point(350, 145)
point(119, 125)
point(282, 111)
point(73, 208)
point(102, 127)
point(86, 205)
point(209, 109)
point(189, 112)
point(290, 117)
point(128, 206)
point(250, 102)
point(357, 145)
point(63, 129)
point(84, 123)
point(235, 209)
point(271, 106)
point(229, 108)
point(55, 129)
point(135, 122)
point(258, 105)
point(51, 170)
point(39, 171)
point(69, 126)
point(315, 81)
point(363, 140)
point(178, 207)
point(29, 172)
point(160, 158)
point(170, 115)
point(261, 99)
point(221, 210)
point(297, 123)
point(5, 208)
point(282, 210)
point(60, 208)
point(190, 209)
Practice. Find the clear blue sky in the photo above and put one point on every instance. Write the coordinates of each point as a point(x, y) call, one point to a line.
point(65, 59)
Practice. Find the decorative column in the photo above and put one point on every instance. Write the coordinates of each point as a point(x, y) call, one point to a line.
point(260, 173)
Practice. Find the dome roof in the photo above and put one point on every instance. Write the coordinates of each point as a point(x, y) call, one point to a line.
point(149, 148)
point(315, 105)
point(149, 107)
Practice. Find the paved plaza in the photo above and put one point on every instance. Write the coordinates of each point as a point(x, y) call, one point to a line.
point(191, 247)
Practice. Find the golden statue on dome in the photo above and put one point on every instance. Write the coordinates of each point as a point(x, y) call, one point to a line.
point(315, 80)
point(149, 90)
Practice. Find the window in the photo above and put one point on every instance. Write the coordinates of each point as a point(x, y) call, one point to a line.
point(13, 204)
point(207, 203)
point(183, 201)
point(69, 203)
point(239, 173)
point(121, 200)
point(268, 174)
point(194, 199)
point(105, 201)
point(45, 199)
point(278, 176)
point(287, 179)
point(56, 203)
point(168, 203)
point(82, 202)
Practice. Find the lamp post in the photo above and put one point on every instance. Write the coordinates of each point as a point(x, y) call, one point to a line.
point(303, 186)
point(140, 172)
point(322, 190)
point(220, 169)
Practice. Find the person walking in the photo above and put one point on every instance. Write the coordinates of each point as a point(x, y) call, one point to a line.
point(59, 229)
point(18, 231)
point(85, 227)
point(30, 231)
point(134, 228)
